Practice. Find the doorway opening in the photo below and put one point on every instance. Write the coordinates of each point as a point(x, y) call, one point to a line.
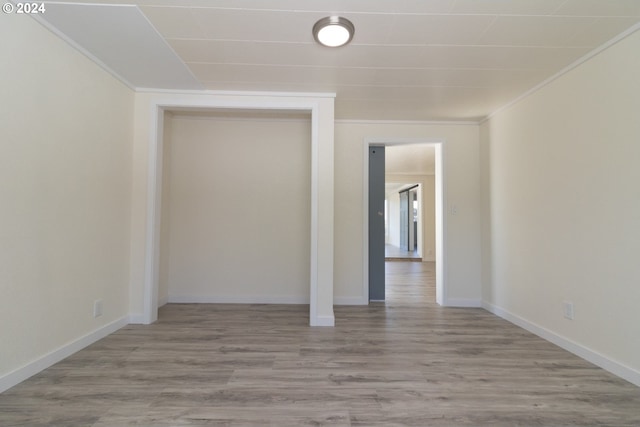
point(403, 222)
point(233, 184)
point(321, 245)
point(425, 239)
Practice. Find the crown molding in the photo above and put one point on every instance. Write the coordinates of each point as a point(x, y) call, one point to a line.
point(565, 70)
point(238, 93)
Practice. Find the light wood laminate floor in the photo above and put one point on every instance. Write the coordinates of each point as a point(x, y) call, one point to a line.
point(406, 362)
point(394, 253)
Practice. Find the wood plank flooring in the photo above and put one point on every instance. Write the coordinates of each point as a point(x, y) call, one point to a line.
point(404, 362)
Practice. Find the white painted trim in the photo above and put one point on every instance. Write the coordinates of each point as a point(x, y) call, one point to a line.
point(154, 184)
point(163, 301)
point(565, 70)
point(606, 363)
point(350, 301)
point(409, 122)
point(441, 233)
point(154, 191)
point(324, 321)
point(136, 319)
point(401, 141)
point(237, 93)
point(186, 115)
point(313, 266)
point(18, 375)
point(441, 223)
point(463, 302)
point(254, 299)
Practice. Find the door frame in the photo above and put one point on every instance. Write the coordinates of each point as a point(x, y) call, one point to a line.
point(440, 192)
point(320, 106)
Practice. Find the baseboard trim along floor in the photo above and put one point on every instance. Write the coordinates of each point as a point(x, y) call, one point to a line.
point(587, 354)
point(17, 376)
point(408, 361)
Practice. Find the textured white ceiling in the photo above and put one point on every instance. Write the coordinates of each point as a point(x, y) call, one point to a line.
point(132, 49)
point(409, 59)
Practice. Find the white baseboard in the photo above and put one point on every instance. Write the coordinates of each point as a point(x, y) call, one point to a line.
point(323, 321)
point(213, 299)
point(137, 319)
point(616, 368)
point(17, 376)
point(463, 302)
point(190, 299)
point(350, 301)
point(163, 301)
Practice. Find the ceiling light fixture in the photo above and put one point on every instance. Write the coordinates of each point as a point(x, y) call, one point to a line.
point(333, 31)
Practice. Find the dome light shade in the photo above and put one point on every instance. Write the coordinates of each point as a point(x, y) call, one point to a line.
point(333, 31)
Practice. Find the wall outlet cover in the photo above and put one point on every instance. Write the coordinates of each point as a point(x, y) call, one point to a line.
point(567, 308)
point(97, 308)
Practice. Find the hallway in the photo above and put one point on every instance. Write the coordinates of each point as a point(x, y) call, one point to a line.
point(412, 283)
point(392, 253)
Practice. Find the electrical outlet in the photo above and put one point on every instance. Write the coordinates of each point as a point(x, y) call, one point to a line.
point(97, 308)
point(567, 309)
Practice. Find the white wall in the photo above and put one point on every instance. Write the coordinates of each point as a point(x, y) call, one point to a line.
point(147, 174)
point(237, 209)
point(393, 200)
point(462, 175)
point(65, 177)
point(562, 206)
point(428, 190)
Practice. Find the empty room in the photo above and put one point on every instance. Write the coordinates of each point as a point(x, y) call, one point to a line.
point(195, 212)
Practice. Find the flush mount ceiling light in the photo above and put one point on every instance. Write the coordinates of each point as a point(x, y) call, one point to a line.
point(333, 31)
